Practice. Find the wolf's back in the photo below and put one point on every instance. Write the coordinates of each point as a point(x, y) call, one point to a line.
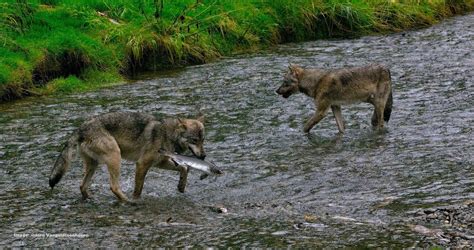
point(63, 161)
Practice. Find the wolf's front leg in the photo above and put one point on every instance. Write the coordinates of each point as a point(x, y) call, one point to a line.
point(317, 117)
point(183, 178)
point(377, 117)
point(183, 172)
point(142, 169)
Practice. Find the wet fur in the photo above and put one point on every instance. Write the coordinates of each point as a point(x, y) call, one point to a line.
point(133, 136)
point(333, 88)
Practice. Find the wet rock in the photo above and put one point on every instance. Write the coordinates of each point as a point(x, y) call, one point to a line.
point(418, 213)
point(432, 216)
point(449, 226)
point(468, 203)
point(218, 209)
point(429, 211)
point(277, 233)
point(249, 205)
point(302, 225)
point(310, 218)
point(343, 218)
point(385, 202)
point(426, 231)
point(222, 210)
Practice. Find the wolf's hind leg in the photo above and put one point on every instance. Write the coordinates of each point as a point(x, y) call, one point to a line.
point(374, 118)
point(336, 110)
point(90, 166)
point(380, 101)
point(113, 165)
point(317, 117)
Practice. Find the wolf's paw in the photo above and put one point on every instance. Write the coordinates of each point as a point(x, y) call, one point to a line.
point(133, 202)
point(181, 188)
point(85, 195)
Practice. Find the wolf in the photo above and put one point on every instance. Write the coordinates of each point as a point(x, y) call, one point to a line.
point(331, 88)
point(134, 136)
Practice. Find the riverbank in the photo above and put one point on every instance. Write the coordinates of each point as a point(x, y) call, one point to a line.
point(51, 46)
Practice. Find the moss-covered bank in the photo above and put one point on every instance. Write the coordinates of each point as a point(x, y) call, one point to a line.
point(49, 46)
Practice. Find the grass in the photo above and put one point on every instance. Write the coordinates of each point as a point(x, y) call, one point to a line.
point(50, 46)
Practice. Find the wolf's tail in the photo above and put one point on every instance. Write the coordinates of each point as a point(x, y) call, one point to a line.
point(63, 161)
point(388, 107)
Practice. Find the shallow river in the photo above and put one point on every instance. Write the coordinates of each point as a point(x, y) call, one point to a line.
point(281, 187)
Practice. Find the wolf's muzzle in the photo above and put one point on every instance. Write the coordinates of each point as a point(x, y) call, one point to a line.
point(199, 154)
point(285, 95)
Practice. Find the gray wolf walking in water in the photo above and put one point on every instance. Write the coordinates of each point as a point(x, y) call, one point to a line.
point(133, 136)
point(333, 88)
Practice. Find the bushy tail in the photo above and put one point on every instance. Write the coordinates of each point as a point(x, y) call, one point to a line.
point(388, 107)
point(63, 161)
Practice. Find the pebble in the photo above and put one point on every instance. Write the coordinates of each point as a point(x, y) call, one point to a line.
point(432, 216)
point(429, 211)
point(223, 210)
point(337, 217)
point(280, 233)
point(311, 225)
point(219, 209)
point(310, 218)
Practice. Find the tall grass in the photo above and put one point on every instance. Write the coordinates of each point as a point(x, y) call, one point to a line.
point(63, 44)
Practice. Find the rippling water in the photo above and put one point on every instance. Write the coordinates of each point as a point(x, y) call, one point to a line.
point(276, 176)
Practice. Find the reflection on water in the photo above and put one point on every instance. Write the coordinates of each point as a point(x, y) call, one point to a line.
point(276, 176)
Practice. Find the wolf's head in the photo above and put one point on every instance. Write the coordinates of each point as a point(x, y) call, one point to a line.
point(290, 81)
point(191, 136)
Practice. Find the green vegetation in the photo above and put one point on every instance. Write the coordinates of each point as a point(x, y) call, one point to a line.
point(51, 46)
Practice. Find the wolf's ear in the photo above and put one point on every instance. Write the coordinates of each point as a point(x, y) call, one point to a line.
point(296, 70)
point(200, 117)
point(290, 67)
point(181, 123)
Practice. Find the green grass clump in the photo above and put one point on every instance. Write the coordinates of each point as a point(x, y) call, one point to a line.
point(91, 79)
point(49, 46)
